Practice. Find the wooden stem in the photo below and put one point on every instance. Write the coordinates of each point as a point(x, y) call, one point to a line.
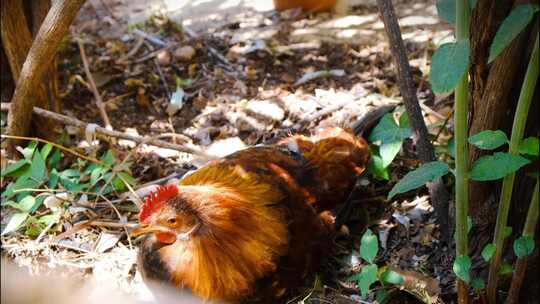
point(439, 195)
point(54, 28)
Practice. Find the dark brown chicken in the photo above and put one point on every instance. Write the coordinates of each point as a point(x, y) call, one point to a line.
point(253, 223)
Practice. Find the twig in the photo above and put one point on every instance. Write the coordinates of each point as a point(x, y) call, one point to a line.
point(162, 77)
point(232, 69)
point(163, 179)
point(439, 194)
point(74, 229)
point(151, 55)
point(153, 39)
point(99, 101)
point(134, 50)
point(138, 139)
point(122, 225)
point(114, 225)
point(317, 115)
point(57, 146)
point(443, 126)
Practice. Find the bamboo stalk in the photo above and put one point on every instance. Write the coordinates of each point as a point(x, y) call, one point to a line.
point(461, 133)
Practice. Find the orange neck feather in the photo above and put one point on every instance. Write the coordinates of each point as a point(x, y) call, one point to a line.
point(241, 237)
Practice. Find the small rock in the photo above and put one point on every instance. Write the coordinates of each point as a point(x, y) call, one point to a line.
point(185, 53)
point(224, 147)
point(164, 58)
point(266, 110)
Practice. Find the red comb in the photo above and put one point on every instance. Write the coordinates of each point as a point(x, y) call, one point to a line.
point(156, 199)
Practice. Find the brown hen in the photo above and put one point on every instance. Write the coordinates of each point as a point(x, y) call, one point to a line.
point(252, 224)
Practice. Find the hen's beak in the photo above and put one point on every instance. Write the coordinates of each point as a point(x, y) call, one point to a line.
point(147, 228)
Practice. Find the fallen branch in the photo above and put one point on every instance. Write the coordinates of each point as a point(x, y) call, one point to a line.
point(99, 101)
point(437, 190)
point(138, 139)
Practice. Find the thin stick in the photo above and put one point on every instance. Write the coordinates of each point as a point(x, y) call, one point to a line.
point(99, 101)
point(439, 195)
point(138, 139)
point(234, 71)
point(521, 263)
point(57, 146)
point(124, 226)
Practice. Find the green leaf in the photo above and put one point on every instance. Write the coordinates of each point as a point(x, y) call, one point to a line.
point(55, 158)
point(488, 251)
point(452, 147)
point(53, 179)
point(375, 166)
point(70, 174)
point(404, 120)
point(446, 9)
point(72, 186)
point(29, 150)
point(128, 178)
point(33, 227)
point(14, 167)
point(23, 182)
point(369, 245)
point(511, 27)
point(15, 222)
point(449, 63)
point(118, 184)
point(48, 219)
point(469, 224)
point(529, 146)
point(478, 284)
point(387, 130)
point(38, 167)
point(507, 231)
point(489, 140)
point(498, 165)
point(392, 277)
point(46, 150)
point(388, 151)
point(381, 296)
point(367, 277)
point(96, 174)
point(462, 268)
point(419, 177)
point(523, 246)
point(108, 157)
point(505, 269)
point(27, 203)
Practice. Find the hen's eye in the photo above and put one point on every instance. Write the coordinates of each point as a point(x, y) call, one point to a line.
point(171, 221)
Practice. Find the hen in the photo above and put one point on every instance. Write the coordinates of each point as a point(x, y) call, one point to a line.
point(254, 223)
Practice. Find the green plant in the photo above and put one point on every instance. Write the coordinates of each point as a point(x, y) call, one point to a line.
point(39, 179)
point(370, 273)
point(387, 139)
point(449, 72)
point(518, 128)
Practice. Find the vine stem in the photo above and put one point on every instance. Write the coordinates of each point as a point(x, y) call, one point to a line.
point(518, 128)
point(521, 263)
point(461, 133)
